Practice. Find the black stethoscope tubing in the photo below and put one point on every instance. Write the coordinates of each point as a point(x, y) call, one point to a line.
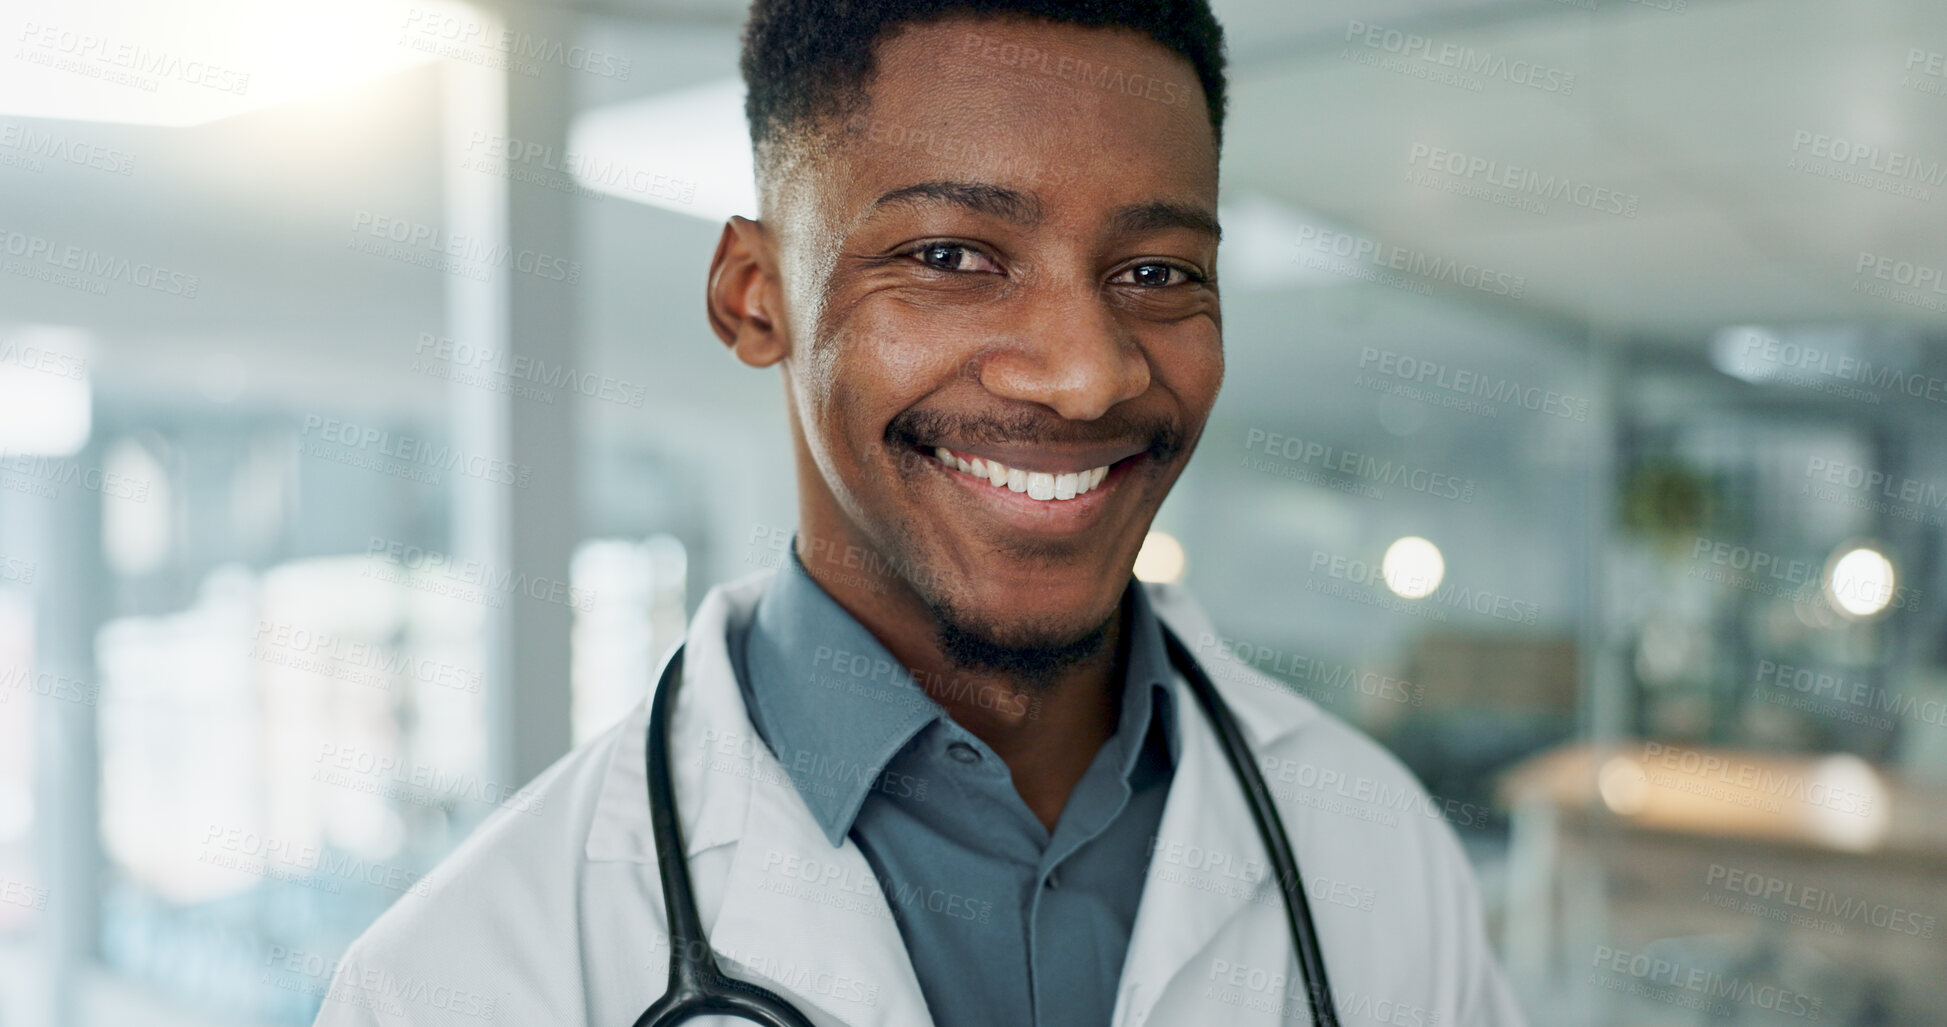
point(698, 987)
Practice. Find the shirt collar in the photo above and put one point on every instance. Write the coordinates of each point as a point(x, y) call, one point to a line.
point(835, 706)
point(1146, 690)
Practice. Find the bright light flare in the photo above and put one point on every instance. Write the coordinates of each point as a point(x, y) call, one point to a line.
point(1859, 581)
point(1161, 559)
point(1413, 567)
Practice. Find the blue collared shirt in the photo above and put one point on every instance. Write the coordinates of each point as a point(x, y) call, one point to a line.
point(1005, 922)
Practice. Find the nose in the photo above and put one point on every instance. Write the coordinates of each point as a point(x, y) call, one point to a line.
point(1071, 355)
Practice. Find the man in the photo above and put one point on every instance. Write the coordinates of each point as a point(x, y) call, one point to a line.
point(938, 768)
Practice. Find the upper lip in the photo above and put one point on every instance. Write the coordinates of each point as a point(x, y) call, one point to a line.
point(1052, 459)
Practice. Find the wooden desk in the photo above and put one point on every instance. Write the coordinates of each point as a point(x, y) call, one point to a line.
point(1819, 877)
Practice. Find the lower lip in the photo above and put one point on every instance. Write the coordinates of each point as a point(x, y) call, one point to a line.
point(1040, 516)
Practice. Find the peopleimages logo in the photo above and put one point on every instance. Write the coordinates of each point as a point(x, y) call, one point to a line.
point(412, 453)
point(1354, 465)
point(31, 146)
point(87, 269)
point(475, 581)
point(374, 664)
point(40, 475)
point(1264, 989)
point(1357, 256)
point(836, 878)
point(20, 893)
point(1825, 902)
point(1865, 164)
point(1366, 798)
point(1459, 59)
point(424, 784)
point(1072, 69)
point(1835, 688)
point(41, 359)
point(1474, 384)
point(121, 61)
point(1716, 776)
point(1756, 570)
point(513, 373)
point(47, 685)
point(1926, 71)
point(1782, 359)
point(1524, 181)
point(424, 245)
point(1369, 579)
point(1903, 281)
point(466, 39)
point(1870, 488)
point(572, 167)
point(1289, 668)
point(1637, 970)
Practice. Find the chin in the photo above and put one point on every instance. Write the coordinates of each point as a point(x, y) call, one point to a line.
point(1033, 642)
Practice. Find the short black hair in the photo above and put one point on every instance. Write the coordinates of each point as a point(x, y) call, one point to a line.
point(807, 63)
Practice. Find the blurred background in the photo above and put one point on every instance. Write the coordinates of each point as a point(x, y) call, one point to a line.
point(363, 447)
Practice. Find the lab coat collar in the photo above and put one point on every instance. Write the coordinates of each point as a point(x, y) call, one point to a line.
point(774, 926)
point(1267, 709)
point(1206, 820)
point(706, 722)
point(1205, 814)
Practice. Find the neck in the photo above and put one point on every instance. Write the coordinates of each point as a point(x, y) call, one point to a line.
point(1047, 731)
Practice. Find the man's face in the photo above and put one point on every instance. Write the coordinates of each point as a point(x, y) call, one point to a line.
point(1010, 257)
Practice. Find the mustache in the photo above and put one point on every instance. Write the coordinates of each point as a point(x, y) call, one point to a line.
point(1160, 438)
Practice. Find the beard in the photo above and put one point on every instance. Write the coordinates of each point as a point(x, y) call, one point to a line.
point(1034, 655)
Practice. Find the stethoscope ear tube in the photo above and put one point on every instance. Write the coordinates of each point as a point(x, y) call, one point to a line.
point(696, 985)
point(1270, 827)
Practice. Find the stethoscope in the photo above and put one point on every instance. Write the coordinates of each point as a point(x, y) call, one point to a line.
point(697, 987)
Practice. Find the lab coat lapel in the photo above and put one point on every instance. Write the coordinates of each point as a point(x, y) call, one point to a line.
point(1207, 867)
point(830, 945)
point(809, 920)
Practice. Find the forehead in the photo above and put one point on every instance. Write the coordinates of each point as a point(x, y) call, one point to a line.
point(1080, 118)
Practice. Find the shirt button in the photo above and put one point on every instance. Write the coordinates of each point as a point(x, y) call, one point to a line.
point(1054, 878)
point(963, 752)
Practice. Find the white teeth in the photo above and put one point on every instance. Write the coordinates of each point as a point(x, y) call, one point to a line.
point(1041, 485)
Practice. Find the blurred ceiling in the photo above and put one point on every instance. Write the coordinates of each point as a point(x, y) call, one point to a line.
point(1697, 113)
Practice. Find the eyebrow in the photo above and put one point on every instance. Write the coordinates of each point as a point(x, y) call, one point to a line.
point(1021, 209)
point(1156, 214)
point(981, 198)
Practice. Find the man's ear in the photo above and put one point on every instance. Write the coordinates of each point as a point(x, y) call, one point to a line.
point(742, 295)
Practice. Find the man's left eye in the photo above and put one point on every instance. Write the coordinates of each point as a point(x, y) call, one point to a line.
point(1154, 275)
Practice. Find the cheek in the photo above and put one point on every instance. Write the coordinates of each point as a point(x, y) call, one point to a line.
point(914, 351)
point(891, 359)
point(1193, 368)
point(863, 375)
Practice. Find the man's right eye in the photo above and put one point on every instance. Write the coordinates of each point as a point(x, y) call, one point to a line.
point(942, 256)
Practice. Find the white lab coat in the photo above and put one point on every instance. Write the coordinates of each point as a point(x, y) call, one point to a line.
point(551, 913)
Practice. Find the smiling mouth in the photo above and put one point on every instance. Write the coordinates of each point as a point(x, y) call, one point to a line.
point(1051, 487)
